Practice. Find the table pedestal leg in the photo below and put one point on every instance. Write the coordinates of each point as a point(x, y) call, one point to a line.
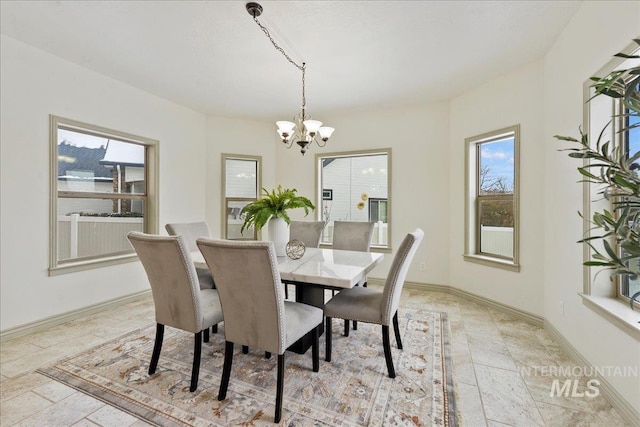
point(311, 295)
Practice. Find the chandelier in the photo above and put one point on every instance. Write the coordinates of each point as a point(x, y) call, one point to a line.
point(302, 130)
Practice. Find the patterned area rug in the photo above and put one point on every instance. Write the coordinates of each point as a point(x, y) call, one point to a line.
point(353, 390)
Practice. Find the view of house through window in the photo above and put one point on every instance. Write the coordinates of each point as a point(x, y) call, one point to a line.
point(355, 187)
point(492, 201)
point(101, 192)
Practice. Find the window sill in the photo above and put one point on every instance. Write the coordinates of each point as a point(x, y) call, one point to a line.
point(616, 312)
point(89, 265)
point(492, 262)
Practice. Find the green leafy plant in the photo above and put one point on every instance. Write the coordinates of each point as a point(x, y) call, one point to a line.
point(616, 174)
point(274, 204)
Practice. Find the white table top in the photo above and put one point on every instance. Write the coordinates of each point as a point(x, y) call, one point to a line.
point(326, 267)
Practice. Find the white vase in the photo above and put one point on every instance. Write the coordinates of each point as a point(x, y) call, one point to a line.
point(279, 235)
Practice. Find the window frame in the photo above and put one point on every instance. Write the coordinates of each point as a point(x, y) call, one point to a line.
point(150, 198)
point(597, 293)
point(621, 139)
point(472, 252)
point(594, 284)
point(257, 235)
point(356, 153)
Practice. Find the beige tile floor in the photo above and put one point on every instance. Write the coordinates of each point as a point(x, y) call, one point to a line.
point(489, 351)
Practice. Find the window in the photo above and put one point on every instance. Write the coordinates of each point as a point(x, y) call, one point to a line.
point(378, 210)
point(241, 185)
point(630, 138)
point(604, 120)
point(355, 186)
point(492, 198)
point(609, 116)
point(103, 185)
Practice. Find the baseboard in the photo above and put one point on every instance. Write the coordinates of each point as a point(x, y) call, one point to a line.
point(525, 316)
point(512, 311)
point(48, 322)
point(626, 411)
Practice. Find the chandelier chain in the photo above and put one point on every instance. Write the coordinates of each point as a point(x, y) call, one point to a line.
point(302, 67)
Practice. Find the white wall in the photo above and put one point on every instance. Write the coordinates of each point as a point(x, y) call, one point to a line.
point(420, 168)
point(34, 84)
point(232, 136)
point(597, 31)
point(515, 98)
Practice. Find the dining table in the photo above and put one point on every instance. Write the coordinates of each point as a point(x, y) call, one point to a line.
point(315, 271)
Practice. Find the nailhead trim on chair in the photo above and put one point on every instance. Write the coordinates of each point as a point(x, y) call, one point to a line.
point(394, 279)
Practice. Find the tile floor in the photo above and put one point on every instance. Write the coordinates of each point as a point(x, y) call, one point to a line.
point(489, 351)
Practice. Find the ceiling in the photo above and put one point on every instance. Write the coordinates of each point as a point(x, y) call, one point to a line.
point(361, 55)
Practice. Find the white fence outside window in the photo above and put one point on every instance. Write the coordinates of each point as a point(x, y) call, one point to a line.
point(497, 240)
point(87, 236)
point(380, 234)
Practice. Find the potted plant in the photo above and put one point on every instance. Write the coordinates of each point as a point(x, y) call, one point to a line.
point(272, 209)
point(616, 172)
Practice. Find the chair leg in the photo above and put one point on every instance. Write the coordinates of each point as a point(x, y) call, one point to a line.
point(396, 330)
point(226, 370)
point(315, 353)
point(355, 322)
point(279, 388)
point(286, 291)
point(327, 333)
point(214, 329)
point(267, 355)
point(156, 348)
point(206, 335)
point(195, 370)
point(245, 349)
point(387, 351)
point(346, 328)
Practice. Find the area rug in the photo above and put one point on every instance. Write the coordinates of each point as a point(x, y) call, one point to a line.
point(352, 390)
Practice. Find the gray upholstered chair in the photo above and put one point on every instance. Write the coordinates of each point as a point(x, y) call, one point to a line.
point(190, 231)
point(255, 311)
point(179, 301)
point(375, 306)
point(308, 232)
point(353, 236)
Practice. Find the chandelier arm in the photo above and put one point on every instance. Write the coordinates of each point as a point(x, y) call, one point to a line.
point(288, 144)
point(319, 141)
point(292, 140)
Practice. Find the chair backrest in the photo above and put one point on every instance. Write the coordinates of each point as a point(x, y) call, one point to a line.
point(308, 232)
point(190, 231)
point(352, 235)
point(397, 274)
point(251, 295)
point(173, 279)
